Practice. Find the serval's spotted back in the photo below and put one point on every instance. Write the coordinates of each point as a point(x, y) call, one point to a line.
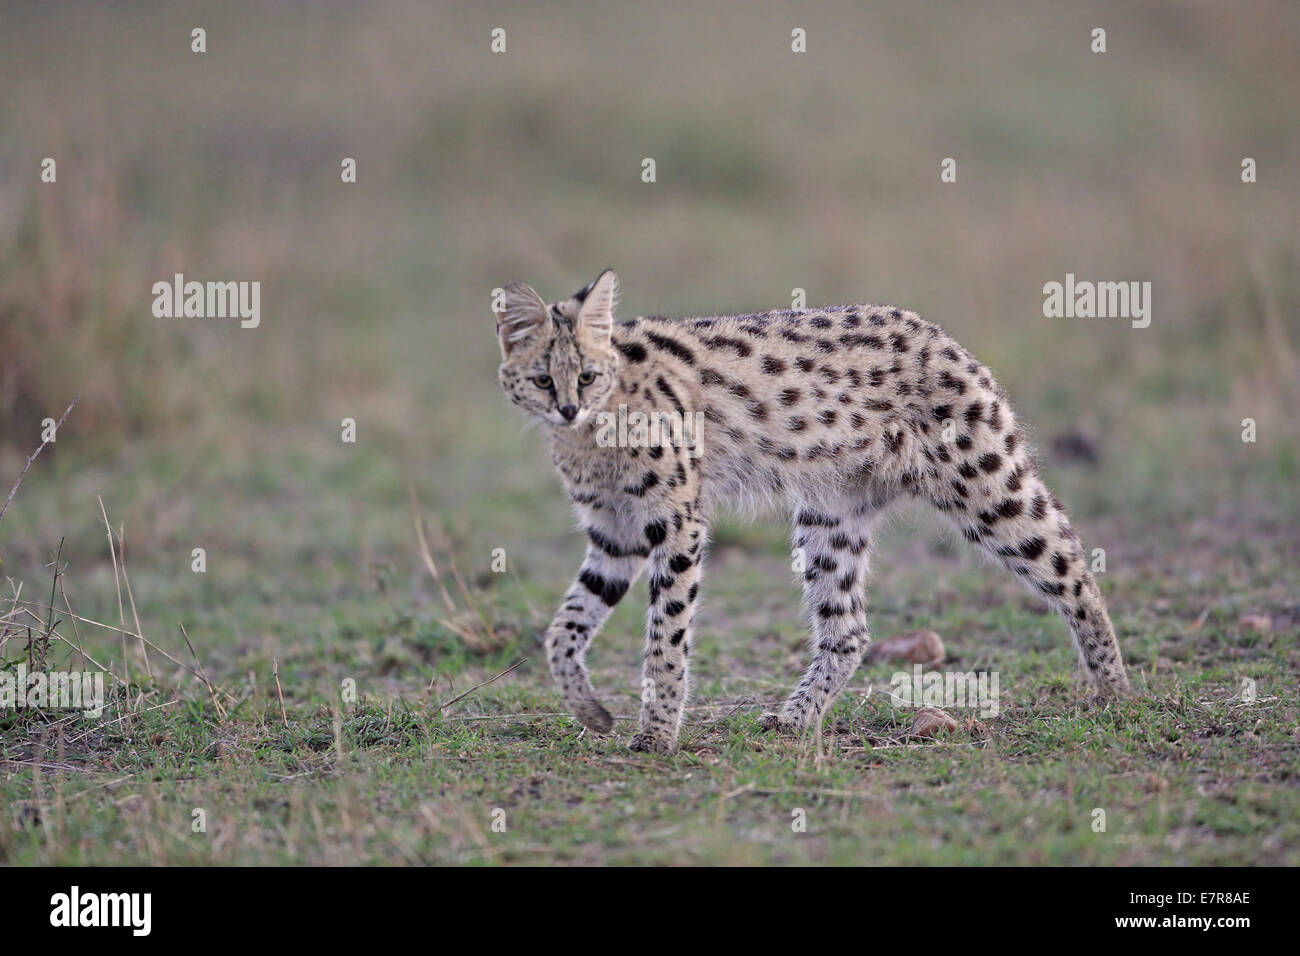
point(833, 411)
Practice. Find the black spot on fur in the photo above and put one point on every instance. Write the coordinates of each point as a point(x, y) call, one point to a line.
point(672, 347)
point(1010, 508)
point(666, 390)
point(740, 346)
point(611, 592)
point(856, 338)
point(632, 351)
point(612, 548)
point(648, 481)
point(1033, 548)
point(947, 380)
point(679, 563)
point(658, 584)
point(812, 519)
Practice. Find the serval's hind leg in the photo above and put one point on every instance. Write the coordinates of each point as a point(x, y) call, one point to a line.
point(999, 502)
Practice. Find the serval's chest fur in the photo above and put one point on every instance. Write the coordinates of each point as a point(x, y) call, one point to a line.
point(833, 411)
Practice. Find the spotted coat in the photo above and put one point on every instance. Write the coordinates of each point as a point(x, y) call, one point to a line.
point(832, 413)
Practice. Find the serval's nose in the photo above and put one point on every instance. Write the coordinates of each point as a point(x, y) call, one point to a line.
point(569, 411)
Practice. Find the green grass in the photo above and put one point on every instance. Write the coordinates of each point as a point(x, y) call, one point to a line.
point(1186, 776)
point(1187, 772)
point(775, 171)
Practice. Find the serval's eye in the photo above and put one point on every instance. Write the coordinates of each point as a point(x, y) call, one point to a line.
point(542, 381)
point(586, 378)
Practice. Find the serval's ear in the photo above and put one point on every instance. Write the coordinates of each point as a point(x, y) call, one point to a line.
point(521, 315)
point(596, 312)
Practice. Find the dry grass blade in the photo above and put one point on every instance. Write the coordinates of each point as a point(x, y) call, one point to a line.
point(459, 697)
point(130, 595)
point(73, 618)
point(30, 607)
point(202, 676)
point(478, 638)
point(279, 691)
point(427, 555)
point(117, 576)
point(57, 425)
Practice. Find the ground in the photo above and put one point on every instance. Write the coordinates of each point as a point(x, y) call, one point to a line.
point(197, 434)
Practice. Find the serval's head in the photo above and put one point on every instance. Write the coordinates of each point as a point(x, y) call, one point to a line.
point(557, 361)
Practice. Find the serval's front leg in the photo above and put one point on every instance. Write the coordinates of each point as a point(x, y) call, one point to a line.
point(610, 567)
point(675, 561)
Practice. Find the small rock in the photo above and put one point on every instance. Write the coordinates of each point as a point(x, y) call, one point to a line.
point(931, 722)
point(918, 647)
point(1256, 622)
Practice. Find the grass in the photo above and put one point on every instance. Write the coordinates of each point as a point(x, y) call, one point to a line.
point(775, 172)
point(1190, 771)
point(397, 783)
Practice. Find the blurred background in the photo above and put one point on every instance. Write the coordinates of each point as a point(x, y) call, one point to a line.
point(775, 170)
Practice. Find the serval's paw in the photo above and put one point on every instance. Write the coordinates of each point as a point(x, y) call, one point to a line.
point(1108, 688)
point(650, 744)
point(781, 724)
point(593, 716)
